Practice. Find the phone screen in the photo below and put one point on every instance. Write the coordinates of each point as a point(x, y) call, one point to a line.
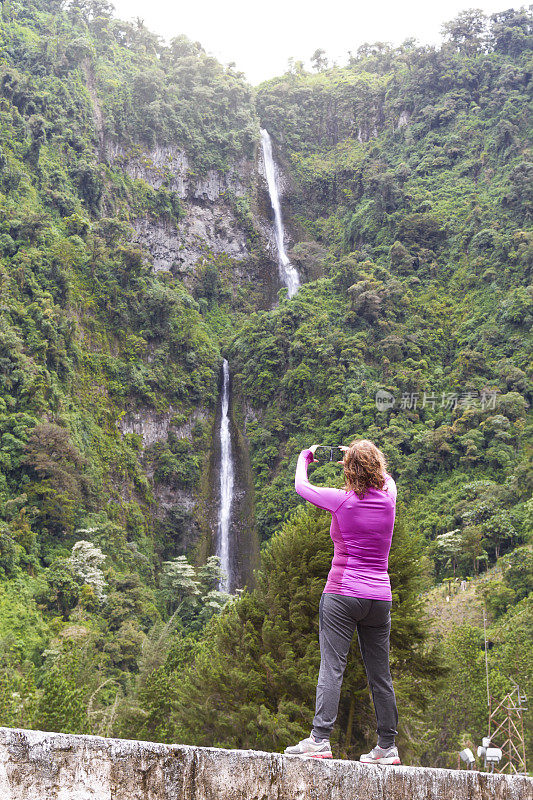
point(324, 452)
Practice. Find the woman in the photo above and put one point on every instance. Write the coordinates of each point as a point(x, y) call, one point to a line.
point(357, 594)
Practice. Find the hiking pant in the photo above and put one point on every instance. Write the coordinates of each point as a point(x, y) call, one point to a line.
point(339, 616)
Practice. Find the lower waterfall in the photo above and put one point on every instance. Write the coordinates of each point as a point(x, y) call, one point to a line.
point(227, 479)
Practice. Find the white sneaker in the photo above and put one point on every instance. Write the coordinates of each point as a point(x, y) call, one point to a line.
point(381, 755)
point(308, 747)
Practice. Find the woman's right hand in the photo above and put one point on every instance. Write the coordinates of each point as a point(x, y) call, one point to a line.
point(312, 449)
point(344, 449)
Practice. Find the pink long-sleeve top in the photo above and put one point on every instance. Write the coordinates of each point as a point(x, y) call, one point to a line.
point(361, 530)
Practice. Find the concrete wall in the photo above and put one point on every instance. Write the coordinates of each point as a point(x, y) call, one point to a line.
point(55, 766)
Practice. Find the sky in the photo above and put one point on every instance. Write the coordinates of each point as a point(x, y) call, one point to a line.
point(260, 37)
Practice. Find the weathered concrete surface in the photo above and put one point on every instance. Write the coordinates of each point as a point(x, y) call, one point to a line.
point(55, 766)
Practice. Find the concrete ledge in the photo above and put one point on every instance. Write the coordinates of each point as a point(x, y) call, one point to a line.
point(54, 766)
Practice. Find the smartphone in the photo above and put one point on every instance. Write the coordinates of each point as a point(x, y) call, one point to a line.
point(325, 452)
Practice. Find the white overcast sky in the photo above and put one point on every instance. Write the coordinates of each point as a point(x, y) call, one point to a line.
point(261, 37)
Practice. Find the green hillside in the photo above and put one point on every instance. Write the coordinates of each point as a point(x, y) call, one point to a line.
point(134, 257)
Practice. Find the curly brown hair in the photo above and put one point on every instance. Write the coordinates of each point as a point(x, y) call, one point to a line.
point(364, 467)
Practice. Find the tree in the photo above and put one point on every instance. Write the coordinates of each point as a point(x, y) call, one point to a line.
point(319, 60)
point(518, 572)
point(85, 561)
point(90, 9)
point(191, 592)
point(90, 182)
point(63, 485)
point(295, 67)
point(79, 50)
point(146, 712)
point(447, 549)
point(511, 30)
point(208, 575)
point(129, 598)
point(472, 547)
point(18, 692)
point(178, 583)
point(467, 31)
point(499, 532)
point(62, 589)
point(62, 704)
point(37, 126)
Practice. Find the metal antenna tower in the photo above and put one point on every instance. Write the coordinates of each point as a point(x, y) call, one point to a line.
point(506, 723)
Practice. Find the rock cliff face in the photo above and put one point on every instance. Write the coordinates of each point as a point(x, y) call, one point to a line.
point(225, 216)
point(169, 166)
point(209, 224)
point(54, 766)
point(209, 227)
point(151, 427)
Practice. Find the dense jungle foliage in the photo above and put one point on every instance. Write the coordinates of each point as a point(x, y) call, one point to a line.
point(410, 208)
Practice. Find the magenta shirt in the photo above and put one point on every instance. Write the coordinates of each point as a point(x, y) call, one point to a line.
point(361, 531)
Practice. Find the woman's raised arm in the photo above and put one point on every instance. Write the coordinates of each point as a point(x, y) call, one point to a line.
point(322, 496)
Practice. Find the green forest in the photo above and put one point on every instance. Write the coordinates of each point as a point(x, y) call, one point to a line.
point(408, 202)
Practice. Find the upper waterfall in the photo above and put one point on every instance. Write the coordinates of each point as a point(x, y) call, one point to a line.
point(288, 273)
point(226, 484)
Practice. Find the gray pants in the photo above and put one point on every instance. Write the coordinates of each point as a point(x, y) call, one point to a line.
point(339, 616)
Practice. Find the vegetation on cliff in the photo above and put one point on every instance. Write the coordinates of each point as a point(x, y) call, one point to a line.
point(410, 190)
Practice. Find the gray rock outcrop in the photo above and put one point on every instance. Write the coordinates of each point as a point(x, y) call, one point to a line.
point(209, 223)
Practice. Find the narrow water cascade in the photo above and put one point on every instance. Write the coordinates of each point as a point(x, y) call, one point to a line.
point(227, 479)
point(288, 274)
point(237, 546)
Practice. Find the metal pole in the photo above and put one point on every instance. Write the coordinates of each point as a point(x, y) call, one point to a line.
point(522, 731)
point(486, 660)
point(511, 766)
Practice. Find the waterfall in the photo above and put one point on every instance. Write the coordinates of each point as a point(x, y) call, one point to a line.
point(234, 553)
point(288, 274)
point(226, 484)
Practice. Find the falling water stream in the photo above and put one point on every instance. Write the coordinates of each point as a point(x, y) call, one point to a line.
point(227, 477)
point(288, 274)
point(290, 279)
